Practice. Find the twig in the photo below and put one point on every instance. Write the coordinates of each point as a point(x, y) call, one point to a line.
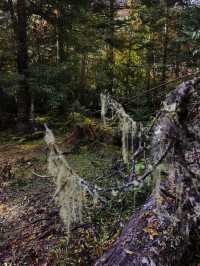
point(141, 178)
point(28, 225)
point(164, 84)
point(42, 176)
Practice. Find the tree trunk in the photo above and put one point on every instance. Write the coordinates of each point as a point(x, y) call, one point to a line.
point(61, 42)
point(83, 73)
point(23, 93)
point(60, 39)
point(110, 50)
point(165, 47)
point(164, 231)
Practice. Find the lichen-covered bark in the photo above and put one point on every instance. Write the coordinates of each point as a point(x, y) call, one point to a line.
point(163, 231)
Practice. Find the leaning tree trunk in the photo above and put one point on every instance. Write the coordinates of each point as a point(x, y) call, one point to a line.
point(164, 231)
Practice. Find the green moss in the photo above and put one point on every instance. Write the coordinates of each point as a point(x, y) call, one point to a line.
point(20, 182)
point(41, 120)
point(140, 167)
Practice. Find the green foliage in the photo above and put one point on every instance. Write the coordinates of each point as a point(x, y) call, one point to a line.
point(139, 168)
point(192, 31)
point(79, 51)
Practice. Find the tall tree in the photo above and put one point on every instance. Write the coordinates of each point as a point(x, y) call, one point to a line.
point(110, 40)
point(19, 22)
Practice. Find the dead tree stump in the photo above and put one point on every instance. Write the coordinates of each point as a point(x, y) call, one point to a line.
point(163, 232)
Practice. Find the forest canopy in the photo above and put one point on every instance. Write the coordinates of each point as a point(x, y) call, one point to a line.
point(68, 52)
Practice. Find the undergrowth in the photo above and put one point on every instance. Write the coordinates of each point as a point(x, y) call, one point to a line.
point(100, 225)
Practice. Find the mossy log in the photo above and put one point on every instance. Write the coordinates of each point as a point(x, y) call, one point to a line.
point(164, 232)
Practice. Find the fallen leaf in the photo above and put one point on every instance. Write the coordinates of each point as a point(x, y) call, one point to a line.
point(151, 231)
point(129, 252)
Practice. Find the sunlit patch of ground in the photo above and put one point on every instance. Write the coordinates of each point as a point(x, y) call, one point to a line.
point(15, 152)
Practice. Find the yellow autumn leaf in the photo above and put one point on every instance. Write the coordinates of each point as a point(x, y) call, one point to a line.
point(3, 208)
point(31, 237)
point(151, 231)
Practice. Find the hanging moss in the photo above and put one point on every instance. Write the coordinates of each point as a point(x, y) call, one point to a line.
point(69, 194)
point(126, 125)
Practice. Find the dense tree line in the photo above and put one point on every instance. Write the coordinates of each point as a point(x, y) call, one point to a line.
point(57, 55)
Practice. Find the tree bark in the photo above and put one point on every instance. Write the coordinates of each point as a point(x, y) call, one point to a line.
point(163, 232)
point(23, 92)
point(165, 46)
point(61, 41)
point(110, 49)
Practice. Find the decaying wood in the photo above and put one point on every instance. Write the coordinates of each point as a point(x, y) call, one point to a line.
point(164, 231)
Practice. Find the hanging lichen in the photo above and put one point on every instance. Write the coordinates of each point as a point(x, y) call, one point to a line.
point(103, 108)
point(69, 194)
point(125, 123)
point(125, 130)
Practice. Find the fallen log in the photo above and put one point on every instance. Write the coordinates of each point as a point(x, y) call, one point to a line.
point(163, 232)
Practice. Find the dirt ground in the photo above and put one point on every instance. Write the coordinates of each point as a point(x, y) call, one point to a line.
point(31, 231)
point(29, 223)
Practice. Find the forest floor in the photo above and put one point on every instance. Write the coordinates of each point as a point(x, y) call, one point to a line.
point(31, 232)
point(28, 229)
